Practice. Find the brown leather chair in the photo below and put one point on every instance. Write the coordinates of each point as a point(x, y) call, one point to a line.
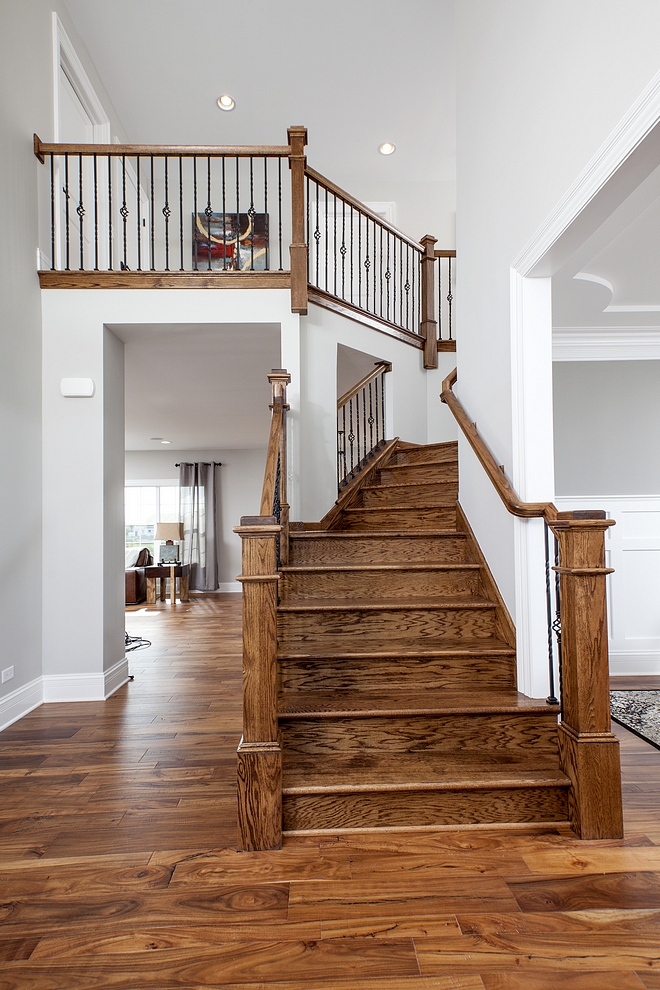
point(136, 578)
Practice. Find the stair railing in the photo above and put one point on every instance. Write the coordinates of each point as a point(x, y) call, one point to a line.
point(589, 751)
point(361, 423)
point(265, 547)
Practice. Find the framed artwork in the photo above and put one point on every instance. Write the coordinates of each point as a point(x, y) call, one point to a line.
point(169, 553)
point(233, 241)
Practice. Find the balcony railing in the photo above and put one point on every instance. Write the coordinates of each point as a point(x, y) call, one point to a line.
point(136, 216)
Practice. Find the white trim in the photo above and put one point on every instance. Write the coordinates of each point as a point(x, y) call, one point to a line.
point(629, 133)
point(230, 586)
point(65, 55)
point(115, 677)
point(21, 701)
point(73, 687)
point(634, 664)
point(633, 308)
point(606, 343)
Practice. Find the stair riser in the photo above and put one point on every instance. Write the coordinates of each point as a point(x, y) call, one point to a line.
point(447, 471)
point(343, 631)
point(438, 493)
point(422, 455)
point(440, 517)
point(469, 741)
point(455, 671)
point(420, 808)
point(381, 550)
point(321, 585)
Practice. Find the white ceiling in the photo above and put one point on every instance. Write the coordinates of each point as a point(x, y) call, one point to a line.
point(355, 73)
point(203, 387)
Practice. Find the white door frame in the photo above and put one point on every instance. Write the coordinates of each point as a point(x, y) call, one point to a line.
point(626, 158)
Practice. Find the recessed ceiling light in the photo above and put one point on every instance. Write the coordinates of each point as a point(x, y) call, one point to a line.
point(226, 102)
point(155, 438)
point(387, 148)
point(166, 441)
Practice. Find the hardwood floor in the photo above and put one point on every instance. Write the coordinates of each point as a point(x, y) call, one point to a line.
point(118, 866)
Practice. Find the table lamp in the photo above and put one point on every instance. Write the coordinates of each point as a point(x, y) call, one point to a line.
point(169, 532)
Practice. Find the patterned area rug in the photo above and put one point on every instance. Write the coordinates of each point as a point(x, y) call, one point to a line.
point(638, 711)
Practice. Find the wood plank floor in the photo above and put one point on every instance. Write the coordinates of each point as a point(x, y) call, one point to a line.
point(118, 866)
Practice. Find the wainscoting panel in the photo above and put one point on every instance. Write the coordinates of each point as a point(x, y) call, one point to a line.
point(633, 550)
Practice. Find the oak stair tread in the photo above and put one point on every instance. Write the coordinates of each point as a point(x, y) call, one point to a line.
point(384, 604)
point(430, 648)
point(315, 534)
point(448, 483)
point(318, 704)
point(399, 566)
point(416, 506)
point(346, 775)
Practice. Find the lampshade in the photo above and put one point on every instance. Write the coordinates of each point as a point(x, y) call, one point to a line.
point(169, 531)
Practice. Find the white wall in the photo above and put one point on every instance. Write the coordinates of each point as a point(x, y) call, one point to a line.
point(409, 391)
point(607, 435)
point(537, 96)
point(26, 105)
point(239, 492)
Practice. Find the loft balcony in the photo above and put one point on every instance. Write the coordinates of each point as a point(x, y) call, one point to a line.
point(259, 217)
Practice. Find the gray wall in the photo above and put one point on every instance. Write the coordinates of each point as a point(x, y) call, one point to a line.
point(240, 479)
point(607, 427)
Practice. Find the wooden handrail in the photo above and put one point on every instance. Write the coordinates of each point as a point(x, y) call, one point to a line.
point(342, 194)
point(270, 474)
point(589, 751)
point(42, 148)
point(445, 253)
point(382, 367)
point(495, 471)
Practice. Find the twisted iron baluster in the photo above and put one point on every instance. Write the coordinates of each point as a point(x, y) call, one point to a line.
point(551, 699)
point(556, 625)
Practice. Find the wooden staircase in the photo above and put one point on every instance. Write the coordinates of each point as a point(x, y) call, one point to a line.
point(397, 700)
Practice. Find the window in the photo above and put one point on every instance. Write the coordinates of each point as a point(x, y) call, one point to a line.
point(144, 506)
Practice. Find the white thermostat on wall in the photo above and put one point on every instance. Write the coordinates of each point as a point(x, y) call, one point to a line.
point(77, 388)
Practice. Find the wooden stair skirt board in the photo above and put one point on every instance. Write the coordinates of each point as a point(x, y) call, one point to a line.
point(397, 700)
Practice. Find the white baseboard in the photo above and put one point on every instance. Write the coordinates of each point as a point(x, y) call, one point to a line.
point(21, 701)
point(73, 687)
point(642, 664)
point(229, 586)
point(115, 677)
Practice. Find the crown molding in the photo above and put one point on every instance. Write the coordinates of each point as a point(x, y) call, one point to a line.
point(606, 343)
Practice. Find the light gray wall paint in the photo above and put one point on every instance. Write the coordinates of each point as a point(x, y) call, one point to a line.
point(240, 479)
point(607, 427)
point(536, 98)
point(113, 499)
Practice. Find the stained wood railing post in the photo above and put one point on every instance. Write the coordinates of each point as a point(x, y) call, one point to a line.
point(589, 750)
point(429, 324)
point(298, 249)
point(259, 753)
point(279, 378)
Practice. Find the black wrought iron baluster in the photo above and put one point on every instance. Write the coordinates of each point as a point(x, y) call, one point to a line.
point(407, 287)
point(351, 435)
point(277, 510)
point(167, 214)
point(380, 265)
point(194, 230)
point(109, 213)
point(180, 213)
point(152, 216)
point(551, 699)
point(367, 264)
point(340, 438)
point(52, 214)
point(401, 283)
point(388, 276)
point(279, 206)
point(80, 210)
point(371, 418)
point(556, 625)
point(343, 249)
point(343, 410)
point(251, 214)
point(334, 255)
point(359, 218)
point(358, 466)
point(266, 213)
point(382, 399)
point(224, 216)
point(394, 239)
point(139, 213)
point(124, 211)
point(208, 212)
point(377, 412)
point(364, 423)
point(440, 307)
point(450, 299)
point(66, 217)
point(317, 236)
point(237, 248)
point(309, 246)
point(352, 222)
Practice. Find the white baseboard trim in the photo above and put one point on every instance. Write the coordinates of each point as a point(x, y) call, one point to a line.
point(115, 677)
point(73, 687)
point(229, 586)
point(644, 663)
point(21, 701)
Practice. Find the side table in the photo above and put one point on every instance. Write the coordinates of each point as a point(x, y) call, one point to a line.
point(161, 572)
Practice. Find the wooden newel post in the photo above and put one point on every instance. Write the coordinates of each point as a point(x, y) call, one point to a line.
point(589, 750)
point(259, 753)
point(298, 249)
point(429, 325)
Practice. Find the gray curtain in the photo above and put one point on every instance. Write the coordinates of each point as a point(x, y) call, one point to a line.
point(197, 512)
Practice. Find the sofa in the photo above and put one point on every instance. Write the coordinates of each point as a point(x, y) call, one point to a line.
point(137, 561)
